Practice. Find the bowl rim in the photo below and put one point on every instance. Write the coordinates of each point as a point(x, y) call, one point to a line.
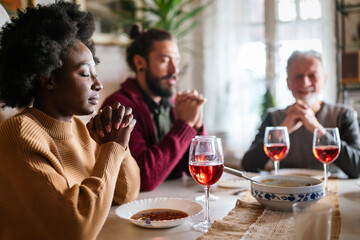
point(318, 184)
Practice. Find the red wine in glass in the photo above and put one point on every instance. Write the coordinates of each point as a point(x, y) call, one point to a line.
point(326, 154)
point(276, 144)
point(206, 174)
point(276, 151)
point(203, 157)
point(326, 148)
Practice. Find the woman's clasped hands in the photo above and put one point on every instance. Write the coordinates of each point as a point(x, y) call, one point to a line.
point(112, 124)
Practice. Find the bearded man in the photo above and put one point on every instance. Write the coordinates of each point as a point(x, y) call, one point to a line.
point(165, 125)
point(306, 81)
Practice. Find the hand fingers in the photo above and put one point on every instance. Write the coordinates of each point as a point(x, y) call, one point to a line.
point(189, 95)
point(128, 117)
point(119, 115)
point(106, 117)
point(90, 124)
point(99, 126)
point(201, 98)
point(132, 124)
point(128, 110)
point(116, 105)
point(297, 108)
point(180, 97)
point(302, 104)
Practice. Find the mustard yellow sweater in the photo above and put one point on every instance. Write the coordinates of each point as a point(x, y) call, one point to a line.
point(55, 183)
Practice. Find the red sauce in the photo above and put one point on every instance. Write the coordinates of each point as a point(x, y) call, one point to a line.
point(159, 214)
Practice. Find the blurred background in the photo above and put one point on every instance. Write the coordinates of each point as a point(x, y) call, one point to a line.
point(233, 51)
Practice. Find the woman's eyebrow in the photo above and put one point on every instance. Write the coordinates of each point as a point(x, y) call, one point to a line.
point(86, 64)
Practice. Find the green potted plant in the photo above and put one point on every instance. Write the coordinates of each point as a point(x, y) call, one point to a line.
point(176, 16)
point(268, 101)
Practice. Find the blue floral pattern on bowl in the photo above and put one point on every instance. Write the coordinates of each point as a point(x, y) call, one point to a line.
point(290, 197)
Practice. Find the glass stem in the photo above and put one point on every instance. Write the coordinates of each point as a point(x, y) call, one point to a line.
point(207, 217)
point(276, 167)
point(326, 169)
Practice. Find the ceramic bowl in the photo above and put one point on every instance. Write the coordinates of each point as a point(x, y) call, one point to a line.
point(278, 192)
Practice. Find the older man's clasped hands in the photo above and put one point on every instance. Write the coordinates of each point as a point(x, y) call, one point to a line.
point(301, 114)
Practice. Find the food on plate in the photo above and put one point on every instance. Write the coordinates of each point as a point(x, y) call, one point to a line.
point(159, 214)
point(284, 183)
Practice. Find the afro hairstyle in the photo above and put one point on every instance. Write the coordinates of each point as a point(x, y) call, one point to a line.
point(34, 44)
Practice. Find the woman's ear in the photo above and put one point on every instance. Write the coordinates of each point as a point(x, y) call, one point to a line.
point(46, 82)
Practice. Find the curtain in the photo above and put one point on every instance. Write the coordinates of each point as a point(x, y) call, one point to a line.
point(234, 78)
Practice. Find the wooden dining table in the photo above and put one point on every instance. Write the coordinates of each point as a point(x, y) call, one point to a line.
point(118, 228)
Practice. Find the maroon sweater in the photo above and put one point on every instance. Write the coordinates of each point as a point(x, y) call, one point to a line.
point(156, 161)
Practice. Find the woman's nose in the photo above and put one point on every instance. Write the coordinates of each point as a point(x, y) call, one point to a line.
point(97, 86)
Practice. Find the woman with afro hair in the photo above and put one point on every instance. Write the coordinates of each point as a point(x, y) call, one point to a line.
point(58, 176)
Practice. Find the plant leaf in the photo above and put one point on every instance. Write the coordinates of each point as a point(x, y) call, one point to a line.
point(186, 30)
point(186, 16)
point(167, 14)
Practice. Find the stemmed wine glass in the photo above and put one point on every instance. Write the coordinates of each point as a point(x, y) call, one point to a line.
point(206, 165)
point(212, 197)
point(276, 144)
point(326, 148)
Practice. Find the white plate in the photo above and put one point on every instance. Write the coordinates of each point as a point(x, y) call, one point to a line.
point(192, 208)
point(301, 172)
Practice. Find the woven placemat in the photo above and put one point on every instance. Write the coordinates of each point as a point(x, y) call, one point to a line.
point(249, 220)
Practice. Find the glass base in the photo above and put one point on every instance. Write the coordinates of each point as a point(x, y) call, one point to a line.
point(328, 192)
point(202, 227)
point(201, 198)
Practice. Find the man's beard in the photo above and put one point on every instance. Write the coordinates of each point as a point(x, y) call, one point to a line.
point(154, 84)
point(312, 98)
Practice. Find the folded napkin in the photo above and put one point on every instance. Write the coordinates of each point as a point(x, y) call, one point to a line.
point(249, 220)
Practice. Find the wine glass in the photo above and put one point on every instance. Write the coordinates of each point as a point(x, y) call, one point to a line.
point(326, 148)
point(276, 144)
point(212, 197)
point(206, 165)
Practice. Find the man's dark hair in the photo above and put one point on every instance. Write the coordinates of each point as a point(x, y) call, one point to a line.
point(34, 44)
point(143, 42)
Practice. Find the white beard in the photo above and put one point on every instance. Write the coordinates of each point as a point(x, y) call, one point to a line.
point(312, 99)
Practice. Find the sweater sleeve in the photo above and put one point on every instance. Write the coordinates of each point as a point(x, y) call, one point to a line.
point(255, 159)
point(157, 161)
point(349, 157)
point(128, 182)
point(40, 194)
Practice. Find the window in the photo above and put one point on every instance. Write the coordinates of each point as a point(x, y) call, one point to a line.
point(298, 27)
point(247, 43)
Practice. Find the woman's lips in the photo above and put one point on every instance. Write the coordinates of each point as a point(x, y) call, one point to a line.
point(94, 100)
